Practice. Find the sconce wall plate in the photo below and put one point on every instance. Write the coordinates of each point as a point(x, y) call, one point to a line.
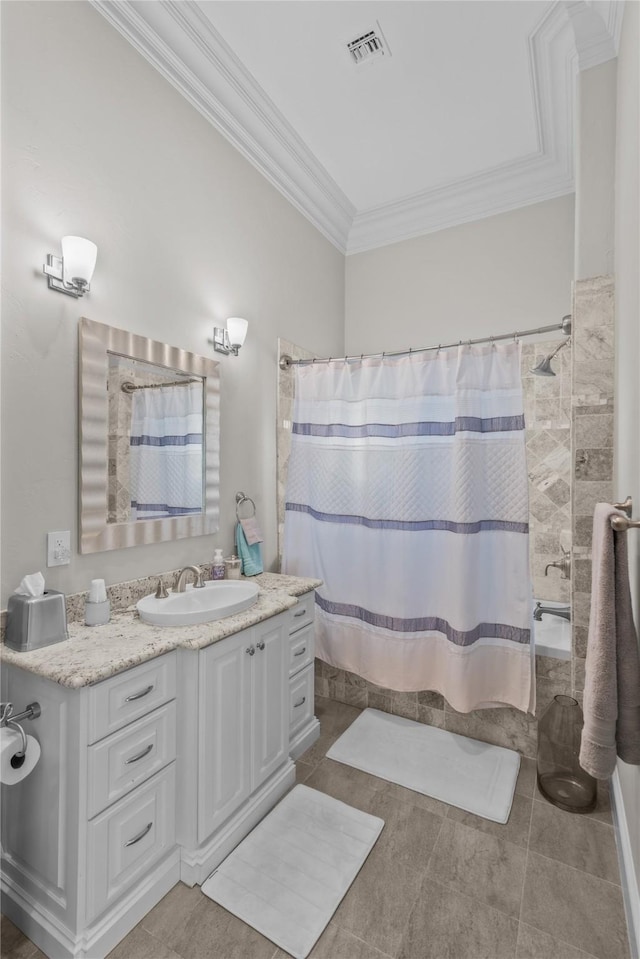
point(221, 342)
point(53, 270)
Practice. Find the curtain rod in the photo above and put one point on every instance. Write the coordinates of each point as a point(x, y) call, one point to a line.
point(129, 387)
point(286, 361)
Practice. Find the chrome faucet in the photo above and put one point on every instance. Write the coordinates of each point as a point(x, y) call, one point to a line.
point(564, 612)
point(564, 565)
point(182, 577)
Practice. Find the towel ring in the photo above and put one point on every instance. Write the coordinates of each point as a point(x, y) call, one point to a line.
point(243, 498)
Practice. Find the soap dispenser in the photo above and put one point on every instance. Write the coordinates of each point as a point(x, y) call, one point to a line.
point(217, 571)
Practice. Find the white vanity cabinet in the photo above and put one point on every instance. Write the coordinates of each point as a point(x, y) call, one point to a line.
point(88, 837)
point(150, 776)
point(304, 728)
point(234, 742)
point(243, 728)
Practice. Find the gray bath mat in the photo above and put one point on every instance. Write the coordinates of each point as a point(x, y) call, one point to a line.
point(474, 776)
point(288, 876)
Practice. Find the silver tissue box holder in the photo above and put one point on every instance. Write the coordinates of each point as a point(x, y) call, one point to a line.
point(36, 621)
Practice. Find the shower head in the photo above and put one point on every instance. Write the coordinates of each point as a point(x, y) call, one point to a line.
point(543, 367)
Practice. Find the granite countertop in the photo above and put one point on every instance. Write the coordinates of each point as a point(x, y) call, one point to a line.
point(92, 654)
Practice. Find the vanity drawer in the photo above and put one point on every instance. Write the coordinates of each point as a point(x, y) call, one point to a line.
point(300, 700)
point(302, 613)
point(300, 650)
point(129, 757)
point(127, 839)
point(118, 701)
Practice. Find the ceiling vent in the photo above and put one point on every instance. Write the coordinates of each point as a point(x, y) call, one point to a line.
point(369, 46)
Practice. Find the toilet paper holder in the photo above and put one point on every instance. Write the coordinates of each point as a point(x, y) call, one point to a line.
point(13, 720)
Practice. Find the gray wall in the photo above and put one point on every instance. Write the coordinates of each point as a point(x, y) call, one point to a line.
point(595, 170)
point(96, 142)
point(627, 257)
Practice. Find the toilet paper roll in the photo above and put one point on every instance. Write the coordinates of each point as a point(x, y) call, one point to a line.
point(12, 769)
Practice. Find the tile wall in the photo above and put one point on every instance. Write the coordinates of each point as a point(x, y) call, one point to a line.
point(502, 726)
point(592, 441)
point(118, 448)
point(547, 406)
point(284, 415)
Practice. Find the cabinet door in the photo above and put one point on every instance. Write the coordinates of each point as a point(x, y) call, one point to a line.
point(224, 740)
point(270, 699)
point(125, 841)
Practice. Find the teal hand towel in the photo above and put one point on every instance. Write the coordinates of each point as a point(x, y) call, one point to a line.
point(251, 556)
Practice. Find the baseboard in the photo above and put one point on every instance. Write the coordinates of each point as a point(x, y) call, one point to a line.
point(304, 739)
point(36, 922)
point(630, 881)
point(104, 934)
point(197, 864)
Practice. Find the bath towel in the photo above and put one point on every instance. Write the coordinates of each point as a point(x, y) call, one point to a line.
point(612, 681)
point(251, 556)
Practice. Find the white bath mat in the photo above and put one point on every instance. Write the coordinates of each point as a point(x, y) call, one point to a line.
point(288, 876)
point(474, 776)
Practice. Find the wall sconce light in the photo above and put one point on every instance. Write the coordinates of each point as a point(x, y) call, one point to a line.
point(71, 273)
point(229, 339)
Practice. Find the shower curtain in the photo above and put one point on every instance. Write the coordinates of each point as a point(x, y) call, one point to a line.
point(407, 495)
point(166, 477)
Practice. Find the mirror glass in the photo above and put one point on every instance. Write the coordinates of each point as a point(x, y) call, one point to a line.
point(149, 440)
point(155, 464)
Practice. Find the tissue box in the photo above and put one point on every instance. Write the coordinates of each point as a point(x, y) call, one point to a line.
point(36, 621)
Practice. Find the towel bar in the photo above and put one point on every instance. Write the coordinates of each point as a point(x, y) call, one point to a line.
point(243, 498)
point(622, 523)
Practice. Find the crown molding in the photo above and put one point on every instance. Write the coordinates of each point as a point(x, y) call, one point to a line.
point(182, 44)
point(597, 28)
point(545, 174)
point(456, 204)
point(201, 66)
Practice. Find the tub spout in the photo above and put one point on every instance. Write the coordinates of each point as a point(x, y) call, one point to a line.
point(564, 612)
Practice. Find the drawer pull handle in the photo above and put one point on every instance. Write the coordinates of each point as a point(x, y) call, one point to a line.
point(260, 645)
point(135, 759)
point(301, 652)
point(141, 835)
point(300, 612)
point(300, 702)
point(143, 692)
point(251, 650)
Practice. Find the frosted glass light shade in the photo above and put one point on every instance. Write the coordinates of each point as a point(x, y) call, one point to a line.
point(78, 259)
point(237, 330)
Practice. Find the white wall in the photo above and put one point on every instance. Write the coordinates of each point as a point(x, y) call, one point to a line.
point(503, 273)
point(95, 142)
point(595, 170)
point(627, 257)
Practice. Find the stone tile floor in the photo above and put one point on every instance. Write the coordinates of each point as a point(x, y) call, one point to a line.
point(439, 884)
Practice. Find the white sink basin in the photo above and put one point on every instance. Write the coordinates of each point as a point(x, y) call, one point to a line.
point(214, 601)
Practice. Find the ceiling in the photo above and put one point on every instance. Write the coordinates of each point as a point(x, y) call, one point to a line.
point(467, 113)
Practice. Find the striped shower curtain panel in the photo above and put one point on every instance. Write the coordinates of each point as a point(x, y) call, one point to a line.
point(407, 495)
point(165, 452)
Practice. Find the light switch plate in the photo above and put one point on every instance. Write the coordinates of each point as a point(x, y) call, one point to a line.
point(59, 548)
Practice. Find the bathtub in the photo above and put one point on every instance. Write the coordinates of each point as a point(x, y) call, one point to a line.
point(552, 635)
